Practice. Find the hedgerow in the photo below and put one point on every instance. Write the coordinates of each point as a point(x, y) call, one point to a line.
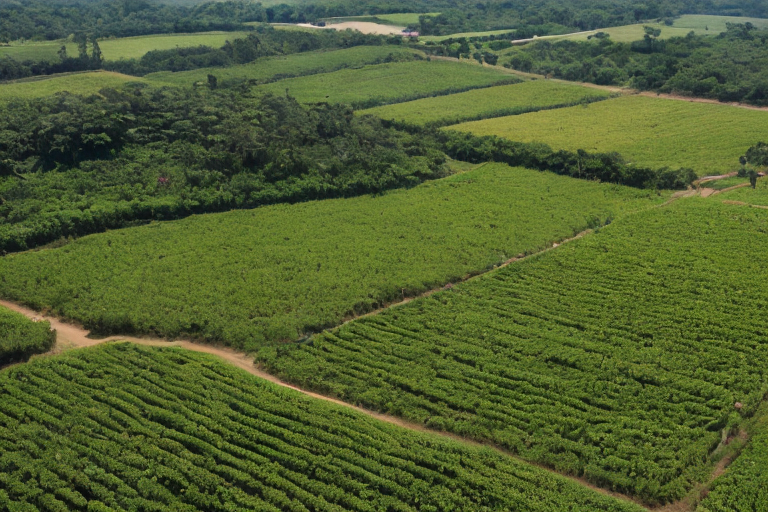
point(20, 337)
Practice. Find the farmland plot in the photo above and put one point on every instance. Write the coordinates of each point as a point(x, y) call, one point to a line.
point(489, 102)
point(77, 83)
point(618, 357)
point(272, 273)
point(20, 337)
point(166, 429)
point(648, 131)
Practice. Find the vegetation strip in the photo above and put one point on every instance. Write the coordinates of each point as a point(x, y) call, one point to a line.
point(21, 337)
point(618, 358)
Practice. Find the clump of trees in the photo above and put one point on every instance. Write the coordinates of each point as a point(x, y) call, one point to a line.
point(732, 66)
point(755, 157)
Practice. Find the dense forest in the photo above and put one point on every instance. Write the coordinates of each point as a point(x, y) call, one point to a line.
point(56, 19)
point(71, 165)
point(732, 66)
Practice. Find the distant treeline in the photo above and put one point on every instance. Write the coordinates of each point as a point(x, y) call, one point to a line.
point(732, 66)
point(57, 19)
point(264, 41)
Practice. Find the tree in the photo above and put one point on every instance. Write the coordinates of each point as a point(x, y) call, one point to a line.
point(213, 82)
point(651, 33)
point(63, 53)
point(96, 57)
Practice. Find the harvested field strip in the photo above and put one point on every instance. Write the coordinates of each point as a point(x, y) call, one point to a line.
point(649, 131)
point(171, 428)
point(618, 357)
point(490, 102)
point(77, 83)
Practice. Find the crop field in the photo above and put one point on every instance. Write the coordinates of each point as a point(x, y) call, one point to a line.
point(742, 487)
point(758, 196)
point(136, 47)
point(297, 64)
point(167, 429)
point(21, 337)
point(272, 273)
point(618, 357)
point(78, 83)
point(405, 18)
point(466, 34)
point(489, 102)
point(649, 131)
point(47, 51)
point(389, 83)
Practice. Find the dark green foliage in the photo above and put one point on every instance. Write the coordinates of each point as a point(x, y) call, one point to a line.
point(71, 165)
point(20, 337)
point(618, 357)
point(730, 67)
point(120, 427)
point(608, 167)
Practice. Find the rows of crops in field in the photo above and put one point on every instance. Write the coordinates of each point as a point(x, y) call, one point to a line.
point(490, 102)
point(166, 429)
point(390, 83)
point(20, 337)
point(297, 64)
point(274, 272)
point(618, 357)
point(649, 131)
point(757, 196)
point(744, 485)
point(76, 83)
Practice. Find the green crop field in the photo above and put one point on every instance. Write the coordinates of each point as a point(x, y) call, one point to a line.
point(21, 337)
point(389, 83)
point(78, 83)
point(742, 488)
point(136, 47)
point(618, 357)
point(297, 64)
point(649, 131)
point(758, 196)
point(47, 51)
point(167, 429)
point(404, 19)
point(704, 24)
point(490, 102)
point(275, 272)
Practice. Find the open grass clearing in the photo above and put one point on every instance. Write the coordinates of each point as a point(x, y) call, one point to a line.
point(654, 132)
point(90, 82)
point(757, 196)
point(488, 102)
point(272, 273)
point(438, 39)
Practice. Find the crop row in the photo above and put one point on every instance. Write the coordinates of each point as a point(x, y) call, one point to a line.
point(618, 357)
point(128, 428)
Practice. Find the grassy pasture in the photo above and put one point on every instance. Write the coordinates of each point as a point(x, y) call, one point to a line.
point(391, 82)
point(465, 34)
point(271, 273)
point(290, 65)
point(404, 19)
point(650, 131)
point(79, 83)
point(618, 357)
point(488, 102)
point(44, 51)
point(168, 429)
point(136, 47)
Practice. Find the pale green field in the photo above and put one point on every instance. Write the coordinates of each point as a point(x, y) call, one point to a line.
point(122, 48)
point(388, 82)
point(758, 195)
point(465, 34)
point(479, 103)
point(699, 24)
point(405, 18)
point(295, 64)
point(79, 83)
point(648, 131)
point(136, 47)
